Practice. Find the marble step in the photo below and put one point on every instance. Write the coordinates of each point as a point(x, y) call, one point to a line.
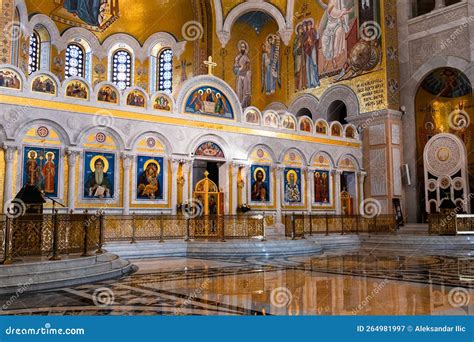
point(337, 241)
point(14, 278)
point(236, 248)
point(417, 241)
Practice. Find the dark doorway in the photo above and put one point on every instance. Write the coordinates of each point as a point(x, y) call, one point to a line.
point(304, 112)
point(201, 166)
point(337, 112)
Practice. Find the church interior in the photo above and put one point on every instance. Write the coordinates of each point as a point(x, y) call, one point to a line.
point(236, 157)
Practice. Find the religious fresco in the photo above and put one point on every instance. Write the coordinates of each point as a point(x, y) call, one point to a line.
point(94, 15)
point(77, 89)
point(41, 169)
point(107, 94)
point(136, 98)
point(149, 178)
point(209, 149)
point(321, 127)
point(288, 123)
point(9, 79)
point(322, 194)
point(270, 64)
point(162, 102)
point(305, 125)
point(44, 84)
point(336, 130)
point(252, 117)
point(271, 120)
point(292, 187)
point(209, 101)
point(243, 74)
point(99, 175)
point(260, 183)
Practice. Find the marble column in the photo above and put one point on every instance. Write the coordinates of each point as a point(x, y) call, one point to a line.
point(245, 178)
point(71, 181)
point(337, 196)
point(360, 189)
point(174, 185)
point(235, 172)
point(187, 177)
point(278, 196)
point(127, 165)
point(309, 189)
point(10, 153)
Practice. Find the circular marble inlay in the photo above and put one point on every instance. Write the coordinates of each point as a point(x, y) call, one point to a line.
point(151, 142)
point(431, 185)
point(42, 131)
point(443, 155)
point(458, 183)
point(445, 182)
point(100, 137)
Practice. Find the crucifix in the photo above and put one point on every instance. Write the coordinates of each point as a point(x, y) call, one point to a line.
point(210, 65)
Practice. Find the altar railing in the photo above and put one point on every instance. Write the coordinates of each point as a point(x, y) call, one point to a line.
point(451, 223)
point(301, 224)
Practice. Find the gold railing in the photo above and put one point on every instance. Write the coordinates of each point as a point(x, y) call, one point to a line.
point(450, 223)
point(300, 224)
point(54, 235)
point(167, 227)
point(50, 235)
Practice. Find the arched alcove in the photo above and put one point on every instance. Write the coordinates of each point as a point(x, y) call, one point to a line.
point(337, 112)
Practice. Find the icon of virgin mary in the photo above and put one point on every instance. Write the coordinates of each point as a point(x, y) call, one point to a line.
point(89, 11)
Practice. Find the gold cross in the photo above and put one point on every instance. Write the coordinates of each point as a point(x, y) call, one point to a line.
point(210, 65)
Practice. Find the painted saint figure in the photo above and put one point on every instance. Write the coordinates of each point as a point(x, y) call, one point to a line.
point(321, 187)
point(271, 64)
point(32, 169)
point(311, 43)
point(292, 188)
point(98, 184)
point(89, 11)
point(243, 73)
point(148, 184)
point(334, 26)
point(259, 188)
point(49, 172)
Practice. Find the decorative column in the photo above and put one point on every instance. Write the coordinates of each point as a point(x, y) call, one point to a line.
point(10, 153)
point(337, 196)
point(71, 182)
point(187, 167)
point(127, 161)
point(235, 172)
point(243, 185)
point(174, 185)
point(278, 200)
point(309, 189)
point(360, 189)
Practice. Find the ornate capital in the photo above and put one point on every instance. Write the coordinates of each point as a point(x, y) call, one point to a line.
point(127, 160)
point(72, 156)
point(10, 152)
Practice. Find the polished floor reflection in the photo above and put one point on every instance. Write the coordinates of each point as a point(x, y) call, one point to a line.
point(360, 283)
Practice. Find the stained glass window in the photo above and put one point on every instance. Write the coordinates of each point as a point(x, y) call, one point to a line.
point(74, 65)
point(165, 71)
point(34, 53)
point(122, 69)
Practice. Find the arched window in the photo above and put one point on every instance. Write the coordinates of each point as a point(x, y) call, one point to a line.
point(165, 71)
point(34, 53)
point(122, 69)
point(75, 61)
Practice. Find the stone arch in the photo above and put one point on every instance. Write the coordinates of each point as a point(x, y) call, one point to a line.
point(130, 43)
point(20, 73)
point(304, 160)
point(212, 81)
point(223, 32)
point(23, 12)
point(276, 106)
point(131, 145)
point(166, 40)
point(265, 147)
point(302, 102)
point(55, 79)
point(74, 33)
point(22, 129)
point(352, 158)
point(339, 93)
point(119, 143)
point(221, 142)
point(408, 93)
point(332, 164)
point(49, 26)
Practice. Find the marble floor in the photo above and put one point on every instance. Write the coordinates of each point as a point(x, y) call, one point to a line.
point(352, 283)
